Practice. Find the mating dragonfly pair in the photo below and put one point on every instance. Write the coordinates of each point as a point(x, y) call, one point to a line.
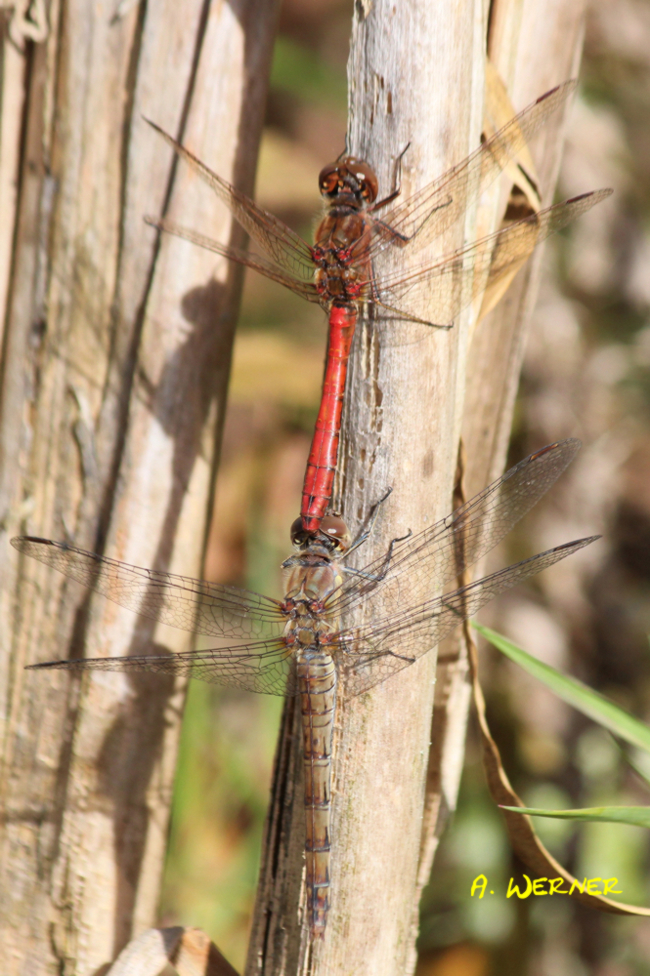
point(307, 643)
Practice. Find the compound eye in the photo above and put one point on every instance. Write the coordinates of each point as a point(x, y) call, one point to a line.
point(297, 534)
point(365, 177)
point(328, 179)
point(335, 529)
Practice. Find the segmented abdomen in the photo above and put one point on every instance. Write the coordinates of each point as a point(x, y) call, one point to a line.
point(317, 682)
point(321, 466)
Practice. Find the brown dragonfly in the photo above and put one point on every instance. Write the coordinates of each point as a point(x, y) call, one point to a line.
point(345, 269)
point(304, 644)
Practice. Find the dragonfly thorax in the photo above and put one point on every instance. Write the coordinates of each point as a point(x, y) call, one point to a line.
point(342, 268)
point(341, 238)
point(308, 579)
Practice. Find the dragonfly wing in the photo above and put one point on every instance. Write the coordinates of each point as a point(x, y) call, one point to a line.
point(367, 657)
point(437, 294)
point(265, 666)
point(306, 289)
point(178, 601)
point(429, 212)
point(438, 554)
point(283, 246)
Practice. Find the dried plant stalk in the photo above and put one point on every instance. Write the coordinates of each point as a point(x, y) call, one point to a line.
point(416, 75)
point(115, 363)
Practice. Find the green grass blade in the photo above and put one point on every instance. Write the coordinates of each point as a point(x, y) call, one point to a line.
point(637, 816)
point(574, 692)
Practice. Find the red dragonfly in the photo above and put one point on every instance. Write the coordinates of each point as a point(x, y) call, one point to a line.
point(343, 269)
point(306, 642)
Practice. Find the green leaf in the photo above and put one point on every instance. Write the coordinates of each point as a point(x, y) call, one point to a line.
point(574, 692)
point(637, 816)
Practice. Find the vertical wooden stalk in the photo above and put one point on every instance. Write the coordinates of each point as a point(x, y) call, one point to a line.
point(403, 418)
point(416, 75)
point(115, 366)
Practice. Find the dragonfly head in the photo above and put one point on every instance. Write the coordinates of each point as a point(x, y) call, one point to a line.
point(332, 535)
point(349, 180)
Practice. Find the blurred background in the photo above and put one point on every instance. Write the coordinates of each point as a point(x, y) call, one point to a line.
point(586, 374)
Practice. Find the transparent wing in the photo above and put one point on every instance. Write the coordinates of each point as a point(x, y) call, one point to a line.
point(285, 248)
point(427, 561)
point(367, 657)
point(188, 604)
point(306, 289)
point(264, 666)
point(436, 294)
point(429, 212)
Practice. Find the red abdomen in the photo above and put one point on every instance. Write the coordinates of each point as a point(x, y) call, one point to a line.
point(319, 477)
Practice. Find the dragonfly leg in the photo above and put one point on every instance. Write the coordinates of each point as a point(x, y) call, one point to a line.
point(389, 556)
point(418, 230)
point(394, 235)
point(400, 657)
point(363, 535)
point(378, 577)
point(369, 524)
point(371, 658)
point(403, 239)
point(398, 314)
point(397, 184)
